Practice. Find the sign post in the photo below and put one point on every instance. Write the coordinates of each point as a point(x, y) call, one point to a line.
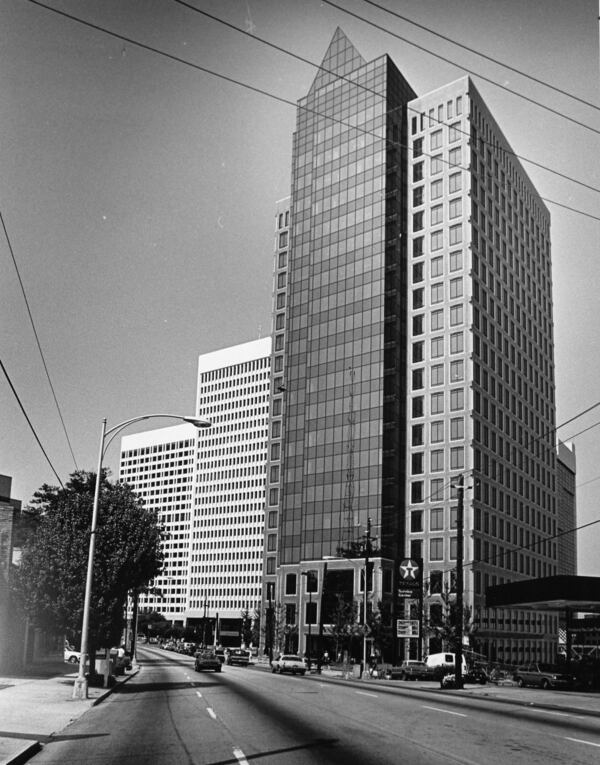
point(410, 587)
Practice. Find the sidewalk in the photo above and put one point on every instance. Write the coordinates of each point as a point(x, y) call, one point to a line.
point(572, 702)
point(36, 703)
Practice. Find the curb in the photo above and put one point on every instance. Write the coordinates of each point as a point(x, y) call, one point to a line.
point(27, 752)
point(118, 684)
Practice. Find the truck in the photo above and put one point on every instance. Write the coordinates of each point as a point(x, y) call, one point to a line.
point(444, 664)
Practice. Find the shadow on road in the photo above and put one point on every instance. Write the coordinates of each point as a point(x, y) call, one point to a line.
point(324, 743)
point(131, 688)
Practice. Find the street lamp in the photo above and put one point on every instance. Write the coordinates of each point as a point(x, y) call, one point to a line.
point(80, 688)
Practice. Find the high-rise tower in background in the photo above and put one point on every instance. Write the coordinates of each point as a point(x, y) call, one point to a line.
point(413, 343)
point(208, 490)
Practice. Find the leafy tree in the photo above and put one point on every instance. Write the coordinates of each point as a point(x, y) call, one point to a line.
point(50, 582)
point(443, 621)
point(246, 629)
point(256, 627)
point(344, 628)
point(379, 623)
point(152, 624)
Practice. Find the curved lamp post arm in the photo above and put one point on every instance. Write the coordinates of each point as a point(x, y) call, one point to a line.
point(80, 687)
point(114, 431)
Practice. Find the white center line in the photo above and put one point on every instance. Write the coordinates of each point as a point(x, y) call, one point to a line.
point(240, 756)
point(445, 711)
point(581, 741)
point(362, 693)
point(198, 694)
point(549, 712)
point(211, 713)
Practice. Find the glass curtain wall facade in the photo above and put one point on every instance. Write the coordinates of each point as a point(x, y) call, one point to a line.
point(343, 440)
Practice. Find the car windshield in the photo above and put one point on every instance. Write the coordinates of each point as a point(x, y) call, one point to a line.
point(207, 654)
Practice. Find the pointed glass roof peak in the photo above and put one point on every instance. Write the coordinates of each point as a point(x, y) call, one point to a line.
point(340, 59)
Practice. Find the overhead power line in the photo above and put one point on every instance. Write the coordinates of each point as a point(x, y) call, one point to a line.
point(252, 88)
point(453, 63)
point(16, 395)
point(37, 339)
point(483, 55)
point(321, 68)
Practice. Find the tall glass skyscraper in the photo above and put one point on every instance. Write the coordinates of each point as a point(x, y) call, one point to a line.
point(412, 344)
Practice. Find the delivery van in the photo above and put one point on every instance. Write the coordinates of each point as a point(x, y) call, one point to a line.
point(444, 663)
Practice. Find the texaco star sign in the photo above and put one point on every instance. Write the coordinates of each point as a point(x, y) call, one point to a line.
point(409, 570)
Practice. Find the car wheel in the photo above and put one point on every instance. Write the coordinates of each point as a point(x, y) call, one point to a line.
point(303, 672)
point(520, 682)
point(273, 669)
point(545, 684)
point(218, 669)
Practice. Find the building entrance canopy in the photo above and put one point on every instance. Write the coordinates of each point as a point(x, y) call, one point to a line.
point(551, 593)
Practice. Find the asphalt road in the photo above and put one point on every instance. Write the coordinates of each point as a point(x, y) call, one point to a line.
point(170, 715)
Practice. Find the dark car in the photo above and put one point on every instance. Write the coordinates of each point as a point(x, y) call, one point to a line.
point(238, 656)
point(411, 669)
point(542, 676)
point(207, 659)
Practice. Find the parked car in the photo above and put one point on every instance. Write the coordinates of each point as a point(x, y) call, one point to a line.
point(411, 669)
point(72, 656)
point(207, 659)
point(288, 662)
point(542, 676)
point(238, 656)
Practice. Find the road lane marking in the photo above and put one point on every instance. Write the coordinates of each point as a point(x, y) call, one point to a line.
point(362, 693)
point(198, 694)
point(549, 712)
point(211, 713)
point(240, 756)
point(445, 711)
point(581, 741)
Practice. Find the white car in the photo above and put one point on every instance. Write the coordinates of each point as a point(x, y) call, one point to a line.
point(72, 656)
point(288, 662)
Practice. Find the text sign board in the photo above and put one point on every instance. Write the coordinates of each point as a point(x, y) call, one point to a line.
point(407, 628)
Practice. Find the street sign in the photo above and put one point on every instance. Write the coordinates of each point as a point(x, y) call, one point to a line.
point(407, 628)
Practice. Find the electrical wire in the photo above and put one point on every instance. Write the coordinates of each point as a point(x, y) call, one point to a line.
point(16, 395)
point(453, 63)
point(252, 88)
point(321, 68)
point(37, 339)
point(483, 55)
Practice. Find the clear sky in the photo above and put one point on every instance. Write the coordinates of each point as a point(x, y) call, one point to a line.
point(138, 194)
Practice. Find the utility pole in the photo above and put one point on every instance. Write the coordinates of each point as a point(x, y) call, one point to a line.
point(459, 582)
point(269, 623)
point(204, 624)
point(366, 592)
